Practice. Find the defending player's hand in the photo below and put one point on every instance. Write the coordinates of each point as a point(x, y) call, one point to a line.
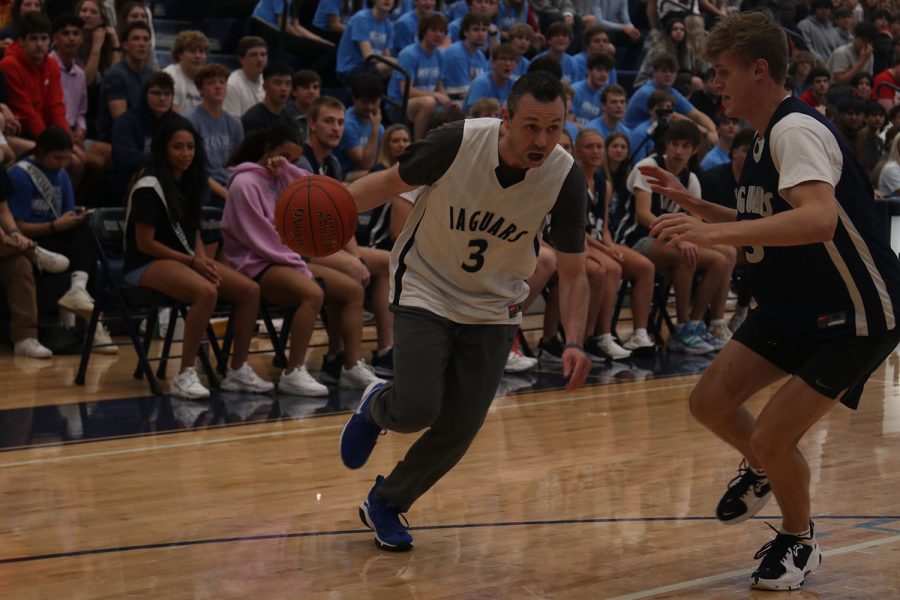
point(675, 228)
point(576, 367)
point(667, 184)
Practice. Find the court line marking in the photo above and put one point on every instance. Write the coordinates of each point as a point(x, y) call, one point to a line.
point(268, 434)
point(685, 585)
point(340, 532)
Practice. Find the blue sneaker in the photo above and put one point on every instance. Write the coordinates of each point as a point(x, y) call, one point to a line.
point(685, 340)
point(704, 334)
point(359, 435)
point(382, 518)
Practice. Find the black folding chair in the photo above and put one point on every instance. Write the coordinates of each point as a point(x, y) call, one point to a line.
point(113, 295)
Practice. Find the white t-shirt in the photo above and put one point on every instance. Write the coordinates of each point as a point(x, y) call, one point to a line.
point(637, 181)
point(242, 94)
point(809, 153)
point(187, 97)
point(889, 180)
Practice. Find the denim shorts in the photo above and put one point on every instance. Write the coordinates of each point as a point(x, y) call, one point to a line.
point(133, 278)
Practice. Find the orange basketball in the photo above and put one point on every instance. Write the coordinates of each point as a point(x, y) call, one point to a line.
point(315, 216)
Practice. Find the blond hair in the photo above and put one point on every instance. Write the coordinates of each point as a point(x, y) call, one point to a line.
point(750, 36)
point(187, 40)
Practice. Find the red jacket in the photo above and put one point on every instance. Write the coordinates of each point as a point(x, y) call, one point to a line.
point(35, 92)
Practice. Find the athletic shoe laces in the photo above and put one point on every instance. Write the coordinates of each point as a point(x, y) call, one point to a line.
point(775, 550)
point(744, 479)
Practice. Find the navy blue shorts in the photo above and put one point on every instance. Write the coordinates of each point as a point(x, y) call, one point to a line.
point(829, 365)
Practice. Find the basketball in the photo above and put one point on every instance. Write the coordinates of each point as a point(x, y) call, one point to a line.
point(315, 216)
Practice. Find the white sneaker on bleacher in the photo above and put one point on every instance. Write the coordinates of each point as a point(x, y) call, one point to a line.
point(32, 348)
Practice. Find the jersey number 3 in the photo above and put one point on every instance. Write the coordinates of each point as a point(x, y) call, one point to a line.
point(476, 260)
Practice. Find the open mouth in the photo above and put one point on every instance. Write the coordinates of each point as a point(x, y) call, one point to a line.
point(535, 156)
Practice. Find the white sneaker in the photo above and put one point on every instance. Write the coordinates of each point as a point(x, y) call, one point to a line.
point(358, 377)
point(103, 343)
point(78, 301)
point(517, 362)
point(47, 261)
point(32, 348)
point(719, 329)
point(245, 379)
point(739, 316)
point(187, 385)
point(609, 347)
point(300, 383)
point(639, 339)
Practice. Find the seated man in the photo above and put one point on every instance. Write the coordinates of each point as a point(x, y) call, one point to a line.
point(245, 85)
point(190, 51)
point(326, 128)
point(362, 127)
point(406, 28)
point(306, 87)
point(133, 134)
point(683, 259)
point(726, 128)
point(644, 138)
point(270, 112)
point(498, 83)
point(123, 84)
point(559, 38)
point(424, 62)
point(613, 100)
point(43, 204)
point(464, 60)
point(369, 31)
point(586, 103)
point(221, 133)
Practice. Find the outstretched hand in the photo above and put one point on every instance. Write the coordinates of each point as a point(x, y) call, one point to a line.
point(683, 231)
point(667, 184)
point(576, 367)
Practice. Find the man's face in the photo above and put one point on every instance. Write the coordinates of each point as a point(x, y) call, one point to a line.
point(520, 44)
point(614, 107)
point(598, 77)
point(58, 159)
point(664, 78)
point(823, 13)
point(728, 128)
point(385, 5)
point(820, 85)
point(738, 156)
point(845, 23)
point(503, 68)
point(434, 38)
point(678, 153)
point(192, 59)
point(875, 121)
point(734, 83)
point(137, 46)
point(67, 40)
point(278, 88)
point(159, 100)
point(307, 94)
point(36, 47)
point(477, 34)
point(254, 61)
point(424, 6)
point(214, 89)
point(863, 89)
point(534, 130)
point(559, 43)
point(662, 107)
point(484, 7)
point(599, 44)
point(852, 119)
point(365, 107)
point(328, 128)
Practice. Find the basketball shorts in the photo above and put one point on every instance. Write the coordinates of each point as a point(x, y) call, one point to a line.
point(829, 365)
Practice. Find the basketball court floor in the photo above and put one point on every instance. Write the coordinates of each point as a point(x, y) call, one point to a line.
point(606, 492)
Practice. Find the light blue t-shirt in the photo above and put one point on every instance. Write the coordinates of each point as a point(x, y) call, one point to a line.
point(640, 140)
point(401, 7)
point(492, 39)
point(581, 61)
point(327, 8)
point(220, 137)
point(600, 125)
point(363, 27)
point(714, 158)
point(406, 31)
point(457, 10)
point(586, 101)
point(356, 134)
point(636, 111)
point(511, 15)
point(269, 11)
point(28, 204)
point(521, 68)
point(484, 87)
point(426, 70)
point(461, 67)
point(571, 74)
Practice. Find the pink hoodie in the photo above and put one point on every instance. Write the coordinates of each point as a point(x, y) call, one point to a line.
point(248, 224)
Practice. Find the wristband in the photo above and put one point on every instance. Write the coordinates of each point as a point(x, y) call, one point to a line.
point(574, 345)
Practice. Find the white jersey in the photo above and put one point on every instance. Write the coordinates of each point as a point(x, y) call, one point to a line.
point(469, 244)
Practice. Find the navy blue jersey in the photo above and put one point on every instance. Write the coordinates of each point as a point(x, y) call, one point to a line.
point(849, 285)
point(373, 229)
point(629, 230)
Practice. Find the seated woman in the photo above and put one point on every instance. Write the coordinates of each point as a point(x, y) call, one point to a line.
point(164, 252)
point(260, 168)
point(43, 204)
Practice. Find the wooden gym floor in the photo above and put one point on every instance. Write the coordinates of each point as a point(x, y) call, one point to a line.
point(607, 492)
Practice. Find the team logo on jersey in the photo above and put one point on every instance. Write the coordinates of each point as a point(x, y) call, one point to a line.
point(758, 149)
point(487, 222)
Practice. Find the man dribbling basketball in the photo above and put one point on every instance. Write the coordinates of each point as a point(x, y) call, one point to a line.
point(459, 268)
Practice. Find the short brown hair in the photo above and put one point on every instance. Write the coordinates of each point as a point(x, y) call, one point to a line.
point(210, 71)
point(504, 51)
point(435, 21)
point(750, 36)
point(160, 79)
point(484, 107)
point(187, 40)
point(322, 101)
point(249, 41)
point(521, 30)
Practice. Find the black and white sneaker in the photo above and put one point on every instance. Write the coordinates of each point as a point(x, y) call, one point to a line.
point(747, 493)
point(550, 351)
point(786, 561)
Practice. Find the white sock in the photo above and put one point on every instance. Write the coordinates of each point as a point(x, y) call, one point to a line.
point(717, 322)
point(640, 331)
point(383, 351)
point(605, 337)
point(803, 535)
point(740, 310)
point(67, 319)
point(79, 280)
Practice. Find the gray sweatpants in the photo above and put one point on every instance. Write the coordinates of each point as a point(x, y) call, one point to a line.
point(445, 378)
